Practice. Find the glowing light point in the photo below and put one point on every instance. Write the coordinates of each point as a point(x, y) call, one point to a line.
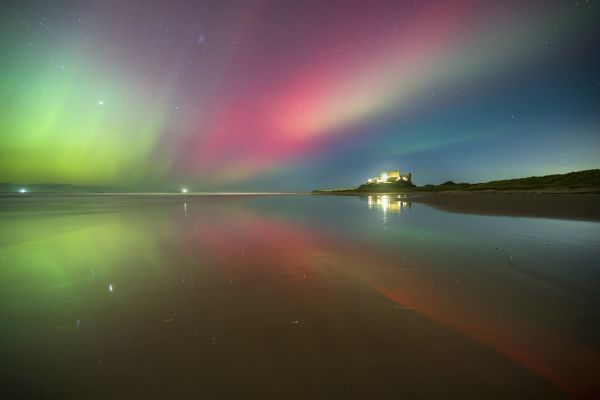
point(22, 190)
point(110, 287)
point(184, 190)
point(100, 102)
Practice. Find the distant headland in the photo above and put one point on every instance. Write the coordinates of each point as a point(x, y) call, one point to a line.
point(395, 182)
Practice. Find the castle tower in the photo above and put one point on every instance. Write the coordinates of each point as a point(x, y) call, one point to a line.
point(394, 174)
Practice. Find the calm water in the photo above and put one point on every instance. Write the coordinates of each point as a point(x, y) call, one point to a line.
point(282, 297)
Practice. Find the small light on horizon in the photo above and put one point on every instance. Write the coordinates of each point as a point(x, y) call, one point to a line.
point(22, 190)
point(184, 190)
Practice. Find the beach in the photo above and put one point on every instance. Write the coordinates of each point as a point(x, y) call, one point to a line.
point(298, 297)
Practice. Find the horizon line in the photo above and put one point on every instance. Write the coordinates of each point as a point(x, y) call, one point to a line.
point(159, 193)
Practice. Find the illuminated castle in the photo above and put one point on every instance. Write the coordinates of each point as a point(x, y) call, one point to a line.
point(390, 177)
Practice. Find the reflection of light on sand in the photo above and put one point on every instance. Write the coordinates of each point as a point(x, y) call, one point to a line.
point(387, 203)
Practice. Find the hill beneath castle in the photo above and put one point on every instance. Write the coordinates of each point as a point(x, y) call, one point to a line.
point(573, 181)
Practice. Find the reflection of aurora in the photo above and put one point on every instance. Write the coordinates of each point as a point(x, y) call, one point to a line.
point(300, 250)
point(388, 203)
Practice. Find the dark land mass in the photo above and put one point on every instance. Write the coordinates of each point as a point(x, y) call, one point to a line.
point(588, 180)
point(575, 195)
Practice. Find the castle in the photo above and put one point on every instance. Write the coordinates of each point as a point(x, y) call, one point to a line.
point(390, 177)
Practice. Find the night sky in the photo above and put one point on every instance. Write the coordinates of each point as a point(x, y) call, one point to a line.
point(296, 95)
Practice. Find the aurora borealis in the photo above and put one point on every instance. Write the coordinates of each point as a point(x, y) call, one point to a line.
point(293, 95)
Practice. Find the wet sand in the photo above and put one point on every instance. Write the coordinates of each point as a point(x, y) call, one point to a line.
point(577, 206)
point(293, 297)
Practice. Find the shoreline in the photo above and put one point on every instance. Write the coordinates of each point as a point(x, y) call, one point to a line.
point(575, 204)
point(354, 192)
point(581, 205)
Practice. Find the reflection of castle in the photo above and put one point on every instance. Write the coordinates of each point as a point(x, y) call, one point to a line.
point(390, 177)
point(393, 204)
